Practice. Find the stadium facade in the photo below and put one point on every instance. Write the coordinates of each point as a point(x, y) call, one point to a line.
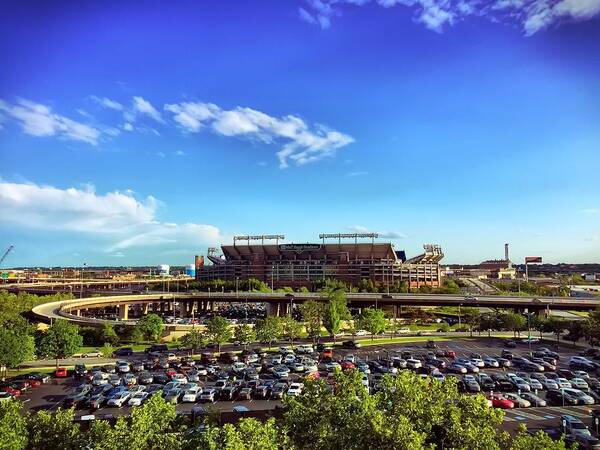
point(306, 264)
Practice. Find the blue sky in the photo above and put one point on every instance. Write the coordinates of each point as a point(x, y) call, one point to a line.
point(142, 133)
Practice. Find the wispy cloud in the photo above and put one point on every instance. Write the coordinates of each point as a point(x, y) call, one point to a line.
point(37, 119)
point(302, 143)
point(357, 174)
point(382, 234)
point(589, 211)
point(116, 219)
point(531, 15)
point(180, 153)
point(144, 107)
point(107, 102)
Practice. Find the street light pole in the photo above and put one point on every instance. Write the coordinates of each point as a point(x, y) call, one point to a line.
point(237, 292)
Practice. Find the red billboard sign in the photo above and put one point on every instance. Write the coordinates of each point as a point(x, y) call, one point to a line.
point(533, 259)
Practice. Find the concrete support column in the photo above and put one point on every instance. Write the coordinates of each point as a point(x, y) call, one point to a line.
point(182, 307)
point(124, 311)
point(78, 312)
point(146, 308)
point(272, 309)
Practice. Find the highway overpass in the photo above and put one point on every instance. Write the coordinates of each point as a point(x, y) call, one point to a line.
point(186, 304)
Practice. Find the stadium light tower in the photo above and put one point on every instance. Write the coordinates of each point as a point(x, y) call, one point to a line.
point(355, 236)
point(261, 238)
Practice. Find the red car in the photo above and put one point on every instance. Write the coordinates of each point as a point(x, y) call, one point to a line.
point(347, 365)
point(500, 402)
point(170, 373)
point(450, 354)
point(61, 372)
point(10, 389)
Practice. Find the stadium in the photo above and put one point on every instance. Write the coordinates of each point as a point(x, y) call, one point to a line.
point(307, 264)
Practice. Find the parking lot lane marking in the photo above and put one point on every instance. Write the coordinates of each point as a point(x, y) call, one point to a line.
point(508, 419)
point(549, 416)
point(565, 410)
point(530, 416)
point(519, 418)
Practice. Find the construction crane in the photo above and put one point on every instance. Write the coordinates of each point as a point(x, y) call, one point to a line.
point(8, 250)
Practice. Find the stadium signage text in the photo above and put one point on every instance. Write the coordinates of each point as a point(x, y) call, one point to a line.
point(299, 248)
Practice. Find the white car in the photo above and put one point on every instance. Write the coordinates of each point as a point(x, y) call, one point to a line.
point(311, 367)
point(365, 380)
point(362, 333)
point(289, 358)
point(331, 366)
point(238, 367)
point(305, 348)
point(563, 383)
point(579, 383)
point(138, 398)
point(477, 362)
point(413, 363)
point(491, 362)
point(123, 367)
point(179, 378)
point(100, 379)
point(284, 350)
point(517, 400)
point(119, 400)
point(192, 395)
point(534, 384)
point(281, 371)
point(581, 374)
point(520, 384)
point(276, 359)
point(350, 357)
point(549, 384)
point(136, 389)
point(295, 389)
point(171, 357)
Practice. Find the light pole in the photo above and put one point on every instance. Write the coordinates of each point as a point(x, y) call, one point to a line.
point(81, 283)
point(237, 292)
point(272, 276)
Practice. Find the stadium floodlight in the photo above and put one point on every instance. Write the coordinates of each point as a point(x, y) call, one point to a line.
point(340, 236)
point(258, 238)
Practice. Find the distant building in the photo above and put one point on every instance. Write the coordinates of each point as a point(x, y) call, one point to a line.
point(297, 265)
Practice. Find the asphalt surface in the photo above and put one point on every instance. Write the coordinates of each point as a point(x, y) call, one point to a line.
point(51, 396)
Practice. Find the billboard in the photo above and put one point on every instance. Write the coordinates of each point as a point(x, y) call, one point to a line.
point(299, 248)
point(533, 259)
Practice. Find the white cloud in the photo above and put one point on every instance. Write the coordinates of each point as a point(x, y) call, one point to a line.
point(160, 154)
point(37, 119)
point(180, 153)
point(127, 126)
point(302, 144)
point(382, 234)
point(107, 103)
point(144, 107)
point(357, 174)
point(589, 211)
point(531, 15)
point(116, 219)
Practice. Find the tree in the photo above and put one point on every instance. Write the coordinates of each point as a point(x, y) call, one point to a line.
point(151, 326)
point(218, 331)
point(108, 335)
point(335, 311)
point(556, 326)
point(514, 322)
point(268, 330)
point(593, 327)
point(15, 347)
point(61, 340)
point(312, 312)
point(55, 431)
point(372, 320)
point(107, 350)
point(576, 330)
point(247, 434)
point(195, 340)
point(290, 329)
point(13, 426)
point(244, 334)
point(472, 318)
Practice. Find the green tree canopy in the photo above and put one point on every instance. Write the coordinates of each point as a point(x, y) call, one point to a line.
point(151, 326)
point(13, 426)
point(194, 339)
point(268, 330)
point(16, 347)
point(373, 320)
point(290, 329)
point(312, 312)
point(218, 331)
point(61, 340)
point(244, 334)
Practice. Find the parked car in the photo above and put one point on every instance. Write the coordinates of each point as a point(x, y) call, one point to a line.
point(124, 351)
point(61, 372)
point(119, 399)
point(138, 398)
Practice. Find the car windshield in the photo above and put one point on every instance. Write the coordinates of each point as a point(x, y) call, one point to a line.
point(578, 426)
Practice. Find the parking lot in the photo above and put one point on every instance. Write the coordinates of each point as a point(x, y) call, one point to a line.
point(267, 376)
